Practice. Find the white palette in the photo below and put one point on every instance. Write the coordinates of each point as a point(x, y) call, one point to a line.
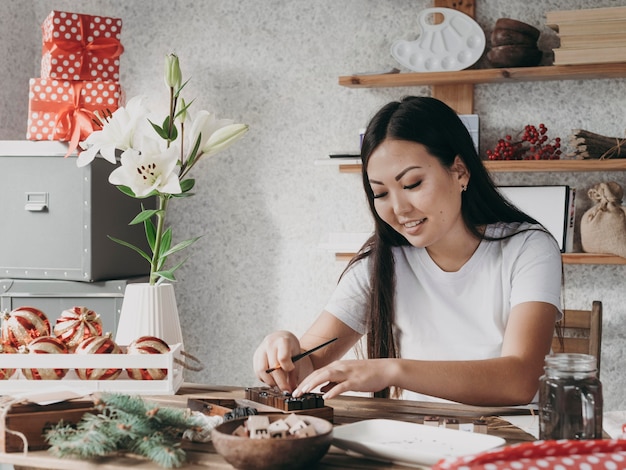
point(454, 44)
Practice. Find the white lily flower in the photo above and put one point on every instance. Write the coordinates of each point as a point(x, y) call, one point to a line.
point(151, 164)
point(117, 133)
point(144, 173)
point(223, 138)
point(217, 134)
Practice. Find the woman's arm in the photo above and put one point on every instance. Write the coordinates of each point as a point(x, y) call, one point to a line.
point(278, 348)
point(511, 379)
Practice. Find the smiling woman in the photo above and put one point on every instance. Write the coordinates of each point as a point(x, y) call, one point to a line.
point(403, 176)
point(443, 238)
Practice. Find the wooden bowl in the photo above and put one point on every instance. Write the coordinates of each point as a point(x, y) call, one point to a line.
point(269, 454)
point(519, 26)
point(514, 56)
point(510, 37)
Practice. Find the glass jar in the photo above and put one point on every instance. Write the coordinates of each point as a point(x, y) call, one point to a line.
point(570, 398)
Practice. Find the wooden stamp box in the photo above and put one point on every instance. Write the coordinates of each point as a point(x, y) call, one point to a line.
point(24, 424)
point(265, 401)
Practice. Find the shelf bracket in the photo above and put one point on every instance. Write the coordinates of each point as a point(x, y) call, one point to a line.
point(458, 97)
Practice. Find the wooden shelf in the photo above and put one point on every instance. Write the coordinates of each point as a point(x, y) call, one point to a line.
point(568, 258)
point(500, 166)
point(475, 76)
point(456, 89)
point(592, 258)
point(517, 166)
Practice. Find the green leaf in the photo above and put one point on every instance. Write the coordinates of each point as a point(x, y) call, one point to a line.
point(129, 192)
point(166, 240)
point(183, 109)
point(150, 230)
point(181, 245)
point(169, 273)
point(177, 94)
point(187, 185)
point(144, 215)
point(183, 195)
point(173, 132)
point(165, 275)
point(132, 247)
point(178, 265)
point(126, 190)
point(191, 161)
point(159, 130)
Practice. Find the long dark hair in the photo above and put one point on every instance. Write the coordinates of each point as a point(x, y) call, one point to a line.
point(437, 127)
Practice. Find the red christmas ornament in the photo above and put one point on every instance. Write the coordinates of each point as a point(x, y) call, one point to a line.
point(23, 324)
point(45, 345)
point(76, 324)
point(98, 345)
point(6, 349)
point(147, 345)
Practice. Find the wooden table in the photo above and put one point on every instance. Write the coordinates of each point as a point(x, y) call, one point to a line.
point(346, 410)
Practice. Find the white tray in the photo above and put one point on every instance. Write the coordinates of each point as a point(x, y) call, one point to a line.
point(18, 384)
point(409, 443)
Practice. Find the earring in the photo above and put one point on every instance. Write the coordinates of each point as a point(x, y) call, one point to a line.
point(464, 187)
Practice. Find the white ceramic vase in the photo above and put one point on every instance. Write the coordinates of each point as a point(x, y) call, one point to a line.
point(149, 310)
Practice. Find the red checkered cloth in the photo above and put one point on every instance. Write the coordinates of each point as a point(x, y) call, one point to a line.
point(600, 454)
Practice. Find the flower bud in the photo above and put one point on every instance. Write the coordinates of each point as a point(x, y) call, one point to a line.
point(173, 75)
point(182, 115)
point(223, 137)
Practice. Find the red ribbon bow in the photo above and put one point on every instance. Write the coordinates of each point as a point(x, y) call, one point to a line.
point(73, 122)
point(100, 47)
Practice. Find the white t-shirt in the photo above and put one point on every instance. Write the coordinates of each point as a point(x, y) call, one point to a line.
point(458, 315)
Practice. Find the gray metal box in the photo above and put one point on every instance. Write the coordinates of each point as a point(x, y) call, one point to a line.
point(52, 297)
point(56, 217)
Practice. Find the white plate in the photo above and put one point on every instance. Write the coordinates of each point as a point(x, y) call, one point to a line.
point(409, 443)
point(454, 44)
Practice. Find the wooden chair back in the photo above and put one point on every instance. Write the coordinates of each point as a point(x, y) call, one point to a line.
point(582, 332)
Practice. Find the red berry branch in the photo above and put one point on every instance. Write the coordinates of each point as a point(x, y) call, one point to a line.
point(533, 145)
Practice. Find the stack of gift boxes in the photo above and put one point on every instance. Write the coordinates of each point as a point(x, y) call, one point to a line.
point(79, 84)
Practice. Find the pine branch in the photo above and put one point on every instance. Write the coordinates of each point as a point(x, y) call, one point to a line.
point(125, 423)
point(158, 449)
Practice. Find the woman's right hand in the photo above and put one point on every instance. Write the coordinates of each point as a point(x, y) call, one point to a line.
point(275, 351)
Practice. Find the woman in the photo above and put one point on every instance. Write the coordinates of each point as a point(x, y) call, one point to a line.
point(457, 290)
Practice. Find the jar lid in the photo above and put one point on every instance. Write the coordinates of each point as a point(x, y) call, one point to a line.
point(571, 362)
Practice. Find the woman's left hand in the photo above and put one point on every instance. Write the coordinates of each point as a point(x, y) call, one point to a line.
point(366, 375)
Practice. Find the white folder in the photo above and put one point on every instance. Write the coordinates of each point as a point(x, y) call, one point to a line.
point(551, 206)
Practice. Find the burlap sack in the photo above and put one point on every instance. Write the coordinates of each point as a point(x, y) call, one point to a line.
point(603, 226)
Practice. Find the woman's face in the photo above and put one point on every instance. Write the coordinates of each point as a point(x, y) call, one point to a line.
point(415, 194)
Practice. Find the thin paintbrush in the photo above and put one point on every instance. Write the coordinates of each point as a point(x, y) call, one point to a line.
point(297, 357)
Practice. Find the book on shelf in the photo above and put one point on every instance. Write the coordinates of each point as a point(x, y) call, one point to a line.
point(591, 28)
point(600, 55)
point(584, 15)
point(552, 206)
point(593, 42)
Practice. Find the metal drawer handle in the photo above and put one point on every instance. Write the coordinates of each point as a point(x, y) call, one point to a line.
point(36, 202)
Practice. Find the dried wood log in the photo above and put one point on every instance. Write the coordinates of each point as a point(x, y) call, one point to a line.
point(591, 145)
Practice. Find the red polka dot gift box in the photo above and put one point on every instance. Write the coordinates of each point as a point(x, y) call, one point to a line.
point(565, 454)
point(64, 110)
point(81, 47)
